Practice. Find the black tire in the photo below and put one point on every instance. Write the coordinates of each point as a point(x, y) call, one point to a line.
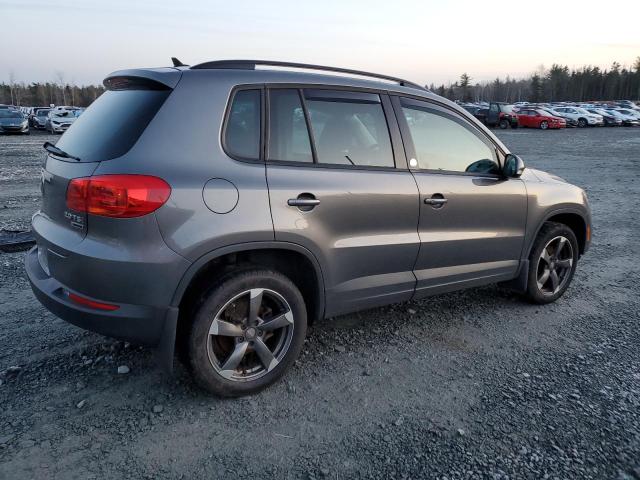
point(582, 123)
point(503, 124)
point(548, 233)
point(218, 299)
point(544, 125)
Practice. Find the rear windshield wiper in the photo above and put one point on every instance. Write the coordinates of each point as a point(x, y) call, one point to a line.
point(51, 148)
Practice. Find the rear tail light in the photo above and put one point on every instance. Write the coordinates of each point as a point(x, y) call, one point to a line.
point(120, 196)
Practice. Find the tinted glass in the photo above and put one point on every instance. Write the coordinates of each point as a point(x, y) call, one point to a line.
point(288, 134)
point(350, 132)
point(112, 124)
point(242, 135)
point(443, 143)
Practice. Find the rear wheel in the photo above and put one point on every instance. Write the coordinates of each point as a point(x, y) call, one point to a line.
point(544, 125)
point(247, 331)
point(552, 263)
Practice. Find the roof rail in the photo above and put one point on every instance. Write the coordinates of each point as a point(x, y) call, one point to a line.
point(251, 65)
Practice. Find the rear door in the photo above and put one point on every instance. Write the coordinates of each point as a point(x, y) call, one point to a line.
point(339, 186)
point(472, 219)
point(493, 114)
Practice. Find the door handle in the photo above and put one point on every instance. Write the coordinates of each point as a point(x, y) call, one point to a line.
point(436, 201)
point(305, 202)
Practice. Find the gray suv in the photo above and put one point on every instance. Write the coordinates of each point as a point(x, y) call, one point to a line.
point(223, 208)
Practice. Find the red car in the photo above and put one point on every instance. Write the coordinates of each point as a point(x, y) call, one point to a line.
point(535, 118)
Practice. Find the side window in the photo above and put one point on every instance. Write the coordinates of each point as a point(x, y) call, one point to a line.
point(444, 143)
point(494, 107)
point(242, 133)
point(349, 128)
point(288, 134)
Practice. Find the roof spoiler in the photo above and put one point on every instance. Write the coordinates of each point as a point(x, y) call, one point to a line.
point(162, 77)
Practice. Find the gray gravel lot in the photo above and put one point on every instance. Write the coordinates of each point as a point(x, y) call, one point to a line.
point(475, 384)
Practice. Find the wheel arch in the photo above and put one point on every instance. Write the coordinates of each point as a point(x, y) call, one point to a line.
point(290, 259)
point(574, 219)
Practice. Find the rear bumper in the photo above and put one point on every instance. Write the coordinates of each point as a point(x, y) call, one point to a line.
point(135, 323)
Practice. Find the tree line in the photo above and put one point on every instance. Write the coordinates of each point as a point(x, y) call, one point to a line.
point(45, 94)
point(559, 83)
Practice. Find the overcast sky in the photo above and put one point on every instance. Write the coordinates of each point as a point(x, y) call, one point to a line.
point(422, 40)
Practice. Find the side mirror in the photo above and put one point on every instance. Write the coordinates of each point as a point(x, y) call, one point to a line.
point(513, 166)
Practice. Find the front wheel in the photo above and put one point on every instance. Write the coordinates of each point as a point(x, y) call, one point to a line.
point(503, 124)
point(582, 122)
point(544, 125)
point(552, 263)
point(247, 331)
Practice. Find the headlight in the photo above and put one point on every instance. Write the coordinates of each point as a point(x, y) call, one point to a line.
point(25, 123)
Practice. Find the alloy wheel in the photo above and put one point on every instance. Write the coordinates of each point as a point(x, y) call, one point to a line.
point(250, 335)
point(554, 265)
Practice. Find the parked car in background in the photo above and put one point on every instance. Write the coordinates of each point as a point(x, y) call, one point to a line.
point(13, 121)
point(39, 118)
point(501, 115)
point(477, 111)
point(60, 119)
point(608, 119)
point(627, 120)
point(32, 113)
point(580, 115)
point(570, 122)
point(539, 118)
point(628, 104)
point(630, 112)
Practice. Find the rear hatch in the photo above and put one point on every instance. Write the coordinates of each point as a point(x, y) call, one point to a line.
point(106, 130)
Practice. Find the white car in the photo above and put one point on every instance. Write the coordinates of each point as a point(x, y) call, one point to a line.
point(627, 120)
point(581, 116)
point(630, 112)
point(60, 119)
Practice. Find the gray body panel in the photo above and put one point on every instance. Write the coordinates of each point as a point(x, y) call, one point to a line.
point(363, 231)
point(371, 240)
point(477, 234)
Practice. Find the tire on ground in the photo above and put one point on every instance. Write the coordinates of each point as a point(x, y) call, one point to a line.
point(213, 300)
point(549, 231)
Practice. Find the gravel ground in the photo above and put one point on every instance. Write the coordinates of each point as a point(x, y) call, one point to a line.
point(475, 384)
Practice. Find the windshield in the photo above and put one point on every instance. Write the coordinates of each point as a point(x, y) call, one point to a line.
point(10, 114)
point(42, 113)
point(581, 110)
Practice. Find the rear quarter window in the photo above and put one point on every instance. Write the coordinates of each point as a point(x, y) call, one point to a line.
point(112, 124)
point(242, 130)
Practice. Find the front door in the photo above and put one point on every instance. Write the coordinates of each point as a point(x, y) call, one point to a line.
point(341, 189)
point(472, 219)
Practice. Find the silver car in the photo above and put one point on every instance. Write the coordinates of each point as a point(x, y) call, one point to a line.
point(285, 197)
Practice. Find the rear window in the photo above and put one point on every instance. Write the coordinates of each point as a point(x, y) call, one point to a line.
point(112, 124)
